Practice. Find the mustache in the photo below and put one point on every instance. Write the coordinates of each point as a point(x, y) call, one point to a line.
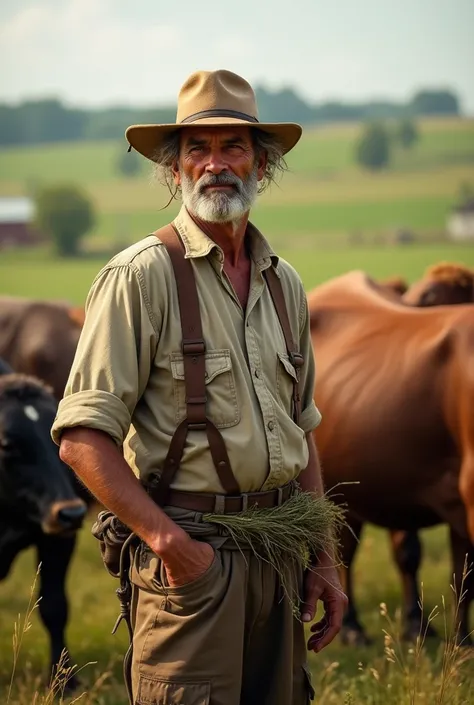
point(224, 179)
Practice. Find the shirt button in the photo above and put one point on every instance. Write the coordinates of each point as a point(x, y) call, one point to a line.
point(257, 373)
point(271, 425)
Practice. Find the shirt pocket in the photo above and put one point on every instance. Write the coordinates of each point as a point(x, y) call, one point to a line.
point(286, 376)
point(221, 407)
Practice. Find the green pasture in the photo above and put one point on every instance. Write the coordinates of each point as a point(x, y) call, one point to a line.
point(42, 276)
point(325, 194)
point(321, 151)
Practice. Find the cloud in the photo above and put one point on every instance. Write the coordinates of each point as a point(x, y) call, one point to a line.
point(93, 52)
point(81, 45)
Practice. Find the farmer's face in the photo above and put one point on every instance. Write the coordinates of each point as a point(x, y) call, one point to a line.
point(218, 171)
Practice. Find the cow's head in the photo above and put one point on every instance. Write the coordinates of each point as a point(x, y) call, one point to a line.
point(35, 485)
point(443, 284)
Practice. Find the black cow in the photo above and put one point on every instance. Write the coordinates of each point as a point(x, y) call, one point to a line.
point(38, 504)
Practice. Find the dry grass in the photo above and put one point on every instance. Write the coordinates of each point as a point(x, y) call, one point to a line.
point(26, 688)
point(406, 675)
point(403, 675)
point(288, 534)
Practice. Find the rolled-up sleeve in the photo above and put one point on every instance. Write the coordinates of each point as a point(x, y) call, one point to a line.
point(310, 415)
point(114, 355)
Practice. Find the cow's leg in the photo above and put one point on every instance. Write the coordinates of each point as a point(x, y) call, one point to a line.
point(406, 550)
point(462, 553)
point(54, 554)
point(352, 632)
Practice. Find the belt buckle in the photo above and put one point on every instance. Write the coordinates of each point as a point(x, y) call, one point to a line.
point(219, 504)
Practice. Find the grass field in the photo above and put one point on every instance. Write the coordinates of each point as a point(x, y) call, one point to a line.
point(325, 195)
point(324, 203)
point(40, 275)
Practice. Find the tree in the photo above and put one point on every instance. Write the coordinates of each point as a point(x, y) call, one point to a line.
point(129, 163)
point(435, 102)
point(65, 214)
point(406, 133)
point(373, 147)
point(283, 105)
point(465, 194)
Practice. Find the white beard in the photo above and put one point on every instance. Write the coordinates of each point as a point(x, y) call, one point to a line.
point(217, 206)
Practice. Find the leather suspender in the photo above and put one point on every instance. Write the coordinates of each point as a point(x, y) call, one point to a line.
point(296, 358)
point(194, 349)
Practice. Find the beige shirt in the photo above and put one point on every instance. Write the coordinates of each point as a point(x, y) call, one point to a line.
point(127, 378)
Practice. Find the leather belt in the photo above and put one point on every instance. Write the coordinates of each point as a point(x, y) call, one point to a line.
point(227, 504)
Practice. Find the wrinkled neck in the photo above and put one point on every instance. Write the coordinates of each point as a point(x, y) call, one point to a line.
point(230, 237)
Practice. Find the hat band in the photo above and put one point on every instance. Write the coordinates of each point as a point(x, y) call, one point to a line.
point(219, 113)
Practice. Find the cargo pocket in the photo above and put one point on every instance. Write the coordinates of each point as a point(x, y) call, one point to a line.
point(153, 691)
point(310, 692)
point(285, 377)
point(160, 580)
point(221, 407)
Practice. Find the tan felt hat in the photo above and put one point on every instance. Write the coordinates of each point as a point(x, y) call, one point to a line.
point(214, 98)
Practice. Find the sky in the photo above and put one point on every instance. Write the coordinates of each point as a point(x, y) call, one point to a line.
point(139, 52)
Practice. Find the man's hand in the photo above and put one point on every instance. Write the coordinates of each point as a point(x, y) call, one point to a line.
point(322, 583)
point(186, 560)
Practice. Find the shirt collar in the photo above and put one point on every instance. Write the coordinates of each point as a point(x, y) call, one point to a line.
point(198, 244)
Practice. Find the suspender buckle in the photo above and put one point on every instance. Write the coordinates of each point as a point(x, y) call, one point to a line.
point(296, 359)
point(193, 347)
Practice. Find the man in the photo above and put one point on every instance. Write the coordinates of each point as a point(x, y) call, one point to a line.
point(213, 607)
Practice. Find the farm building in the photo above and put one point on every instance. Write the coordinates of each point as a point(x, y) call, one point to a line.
point(461, 221)
point(16, 228)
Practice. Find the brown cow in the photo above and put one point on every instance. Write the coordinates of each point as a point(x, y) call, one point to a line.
point(39, 338)
point(395, 386)
point(442, 284)
point(394, 285)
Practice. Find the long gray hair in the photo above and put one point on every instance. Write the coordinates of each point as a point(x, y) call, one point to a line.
point(263, 141)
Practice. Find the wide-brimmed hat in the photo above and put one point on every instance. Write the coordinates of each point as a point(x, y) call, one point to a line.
point(214, 98)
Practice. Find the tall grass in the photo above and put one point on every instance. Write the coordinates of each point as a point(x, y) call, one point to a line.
point(406, 675)
point(25, 688)
point(403, 675)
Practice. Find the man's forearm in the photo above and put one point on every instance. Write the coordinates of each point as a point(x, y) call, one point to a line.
point(96, 460)
point(311, 480)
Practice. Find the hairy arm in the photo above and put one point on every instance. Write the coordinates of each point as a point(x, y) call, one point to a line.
point(99, 464)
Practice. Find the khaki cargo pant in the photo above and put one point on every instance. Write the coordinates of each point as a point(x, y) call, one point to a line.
point(227, 638)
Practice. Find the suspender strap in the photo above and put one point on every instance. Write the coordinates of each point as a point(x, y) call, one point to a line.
point(296, 359)
point(194, 349)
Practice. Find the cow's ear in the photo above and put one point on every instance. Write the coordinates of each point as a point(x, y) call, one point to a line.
point(77, 315)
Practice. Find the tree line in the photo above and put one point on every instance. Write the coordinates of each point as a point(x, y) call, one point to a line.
point(44, 121)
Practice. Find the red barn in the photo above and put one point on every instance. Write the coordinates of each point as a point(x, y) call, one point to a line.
point(16, 218)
